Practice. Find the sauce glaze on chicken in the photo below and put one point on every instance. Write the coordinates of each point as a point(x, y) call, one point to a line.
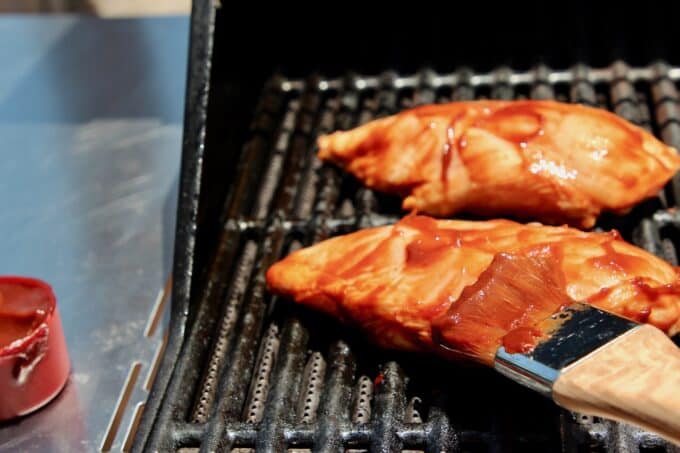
point(405, 284)
point(543, 160)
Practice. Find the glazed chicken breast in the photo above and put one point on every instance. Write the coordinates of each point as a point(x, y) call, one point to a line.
point(458, 287)
point(541, 160)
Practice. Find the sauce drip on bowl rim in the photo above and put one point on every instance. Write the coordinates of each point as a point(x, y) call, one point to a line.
point(34, 364)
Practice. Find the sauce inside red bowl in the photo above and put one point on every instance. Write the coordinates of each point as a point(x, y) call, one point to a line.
point(24, 306)
point(34, 363)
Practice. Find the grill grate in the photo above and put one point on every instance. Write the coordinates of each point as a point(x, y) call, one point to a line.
point(259, 372)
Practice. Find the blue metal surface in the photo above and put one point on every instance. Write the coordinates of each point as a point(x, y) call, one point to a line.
point(90, 142)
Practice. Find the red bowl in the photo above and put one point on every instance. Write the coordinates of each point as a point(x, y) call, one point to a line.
point(34, 363)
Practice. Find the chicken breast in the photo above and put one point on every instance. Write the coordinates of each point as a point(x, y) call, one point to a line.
point(542, 160)
point(429, 285)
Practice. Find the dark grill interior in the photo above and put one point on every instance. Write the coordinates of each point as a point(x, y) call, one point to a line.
point(257, 371)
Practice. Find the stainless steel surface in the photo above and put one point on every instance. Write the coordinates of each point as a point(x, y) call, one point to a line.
point(90, 139)
point(526, 371)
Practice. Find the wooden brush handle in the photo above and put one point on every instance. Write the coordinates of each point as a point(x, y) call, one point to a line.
point(633, 379)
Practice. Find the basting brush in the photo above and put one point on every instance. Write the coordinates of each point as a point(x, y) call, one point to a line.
point(587, 360)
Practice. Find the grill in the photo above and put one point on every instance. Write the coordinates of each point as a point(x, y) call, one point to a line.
point(244, 369)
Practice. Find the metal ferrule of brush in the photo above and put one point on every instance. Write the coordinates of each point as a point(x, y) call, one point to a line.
point(572, 333)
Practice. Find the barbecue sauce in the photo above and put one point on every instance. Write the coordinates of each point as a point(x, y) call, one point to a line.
point(507, 277)
point(23, 308)
point(34, 362)
point(521, 340)
point(518, 123)
point(564, 154)
point(509, 297)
